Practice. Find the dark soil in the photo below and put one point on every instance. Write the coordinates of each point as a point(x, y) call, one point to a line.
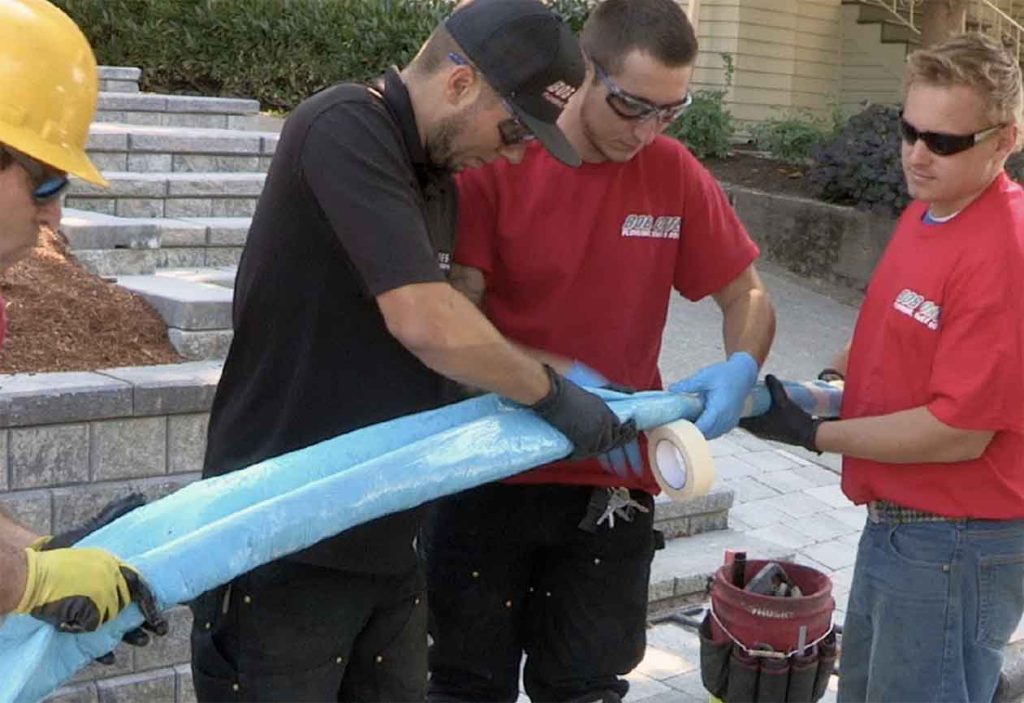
point(60, 317)
point(750, 171)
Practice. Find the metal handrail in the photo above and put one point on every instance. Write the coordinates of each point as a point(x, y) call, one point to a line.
point(902, 11)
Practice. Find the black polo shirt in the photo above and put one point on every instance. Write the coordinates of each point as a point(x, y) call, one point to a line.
point(350, 210)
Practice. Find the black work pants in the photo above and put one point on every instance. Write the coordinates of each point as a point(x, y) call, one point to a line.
point(292, 632)
point(510, 573)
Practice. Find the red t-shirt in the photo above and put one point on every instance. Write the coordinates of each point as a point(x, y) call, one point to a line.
point(942, 326)
point(581, 262)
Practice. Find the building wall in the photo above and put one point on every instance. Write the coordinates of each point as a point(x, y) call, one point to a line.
point(871, 70)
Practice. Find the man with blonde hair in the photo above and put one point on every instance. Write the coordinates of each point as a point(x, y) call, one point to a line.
point(932, 426)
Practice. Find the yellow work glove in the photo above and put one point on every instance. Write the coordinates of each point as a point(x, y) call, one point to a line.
point(78, 590)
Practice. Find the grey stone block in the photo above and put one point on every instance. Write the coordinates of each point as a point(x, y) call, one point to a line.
point(171, 649)
point(718, 498)
point(233, 207)
point(265, 162)
point(52, 455)
point(181, 233)
point(228, 185)
point(150, 163)
point(228, 232)
point(119, 73)
point(140, 207)
point(270, 144)
point(181, 257)
point(201, 104)
point(185, 141)
point(106, 138)
point(79, 693)
point(138, 102)
point(123, 664)
point(124, 184)
point(119, 86)
point(186, 690)
point(119, 116)
point(211, 344)
point(3, 460)
point(152, 687)
point(87, 230)
point(186, 442)
point(171, 389)
point(189, 207)
point(34, 509)
point(223, 256)
point(246, 122)
point(148, 119)
point(118, 262)
point(708, 522)
point(184, 304)
point(51, 398)
point(73, 506)
point(130, 448)
point(107, 206)
point(191, 120)
point(112, 161)
point(213, 163)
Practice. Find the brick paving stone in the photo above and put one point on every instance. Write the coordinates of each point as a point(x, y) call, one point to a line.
point(748, 441)
point(819, 475)
point(823, 527)
point(794, 458)
point(843, 577)
point(854, 516)
point(659, 664)
point(760, 513)
point(833, 495)
point(641, 686)
point(730, 467)
point(769, 460)
point(798, 505)
point(689, 684)
point(748, 488)
point(834, 555)
point(723, 446)
point(785, 481)
point(784, 535)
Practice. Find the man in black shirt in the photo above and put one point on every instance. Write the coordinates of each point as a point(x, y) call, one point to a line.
point(343, 318)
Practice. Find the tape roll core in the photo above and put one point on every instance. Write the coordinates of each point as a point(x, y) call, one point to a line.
point(681, 460)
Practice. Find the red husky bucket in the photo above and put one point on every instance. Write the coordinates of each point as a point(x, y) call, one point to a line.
point(754, 619)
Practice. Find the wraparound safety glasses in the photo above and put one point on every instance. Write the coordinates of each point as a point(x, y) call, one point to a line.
point(633, 107)
point(47, 183)
point(941, 143)
point(512, 131)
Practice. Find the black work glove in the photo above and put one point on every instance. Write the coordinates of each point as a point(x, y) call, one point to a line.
point(139, 637)
point(583, 418)
point(785, 421)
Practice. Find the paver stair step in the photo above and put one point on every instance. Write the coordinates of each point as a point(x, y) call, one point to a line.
point(159, 110)
point(148, 149)
point(172, 195)
point(119, 79)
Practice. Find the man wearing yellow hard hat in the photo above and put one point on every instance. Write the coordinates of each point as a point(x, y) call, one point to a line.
point(48, 91)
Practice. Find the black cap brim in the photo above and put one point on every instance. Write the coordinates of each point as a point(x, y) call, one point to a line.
point(553, 139)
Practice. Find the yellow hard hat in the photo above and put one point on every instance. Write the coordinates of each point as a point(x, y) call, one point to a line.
point(48, 86)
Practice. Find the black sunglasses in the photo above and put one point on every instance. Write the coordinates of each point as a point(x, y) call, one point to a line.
point(512, 131)
point(47, 183)
point(633, 107)
point(943, 144)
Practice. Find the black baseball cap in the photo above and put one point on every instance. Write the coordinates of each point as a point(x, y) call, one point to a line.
point(530, 57)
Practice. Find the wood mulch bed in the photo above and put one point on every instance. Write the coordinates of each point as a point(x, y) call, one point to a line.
point(751, 171)
point(63, 318)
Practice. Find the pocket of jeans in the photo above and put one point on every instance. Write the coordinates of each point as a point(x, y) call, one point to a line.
point(921, 545)
point(1000, 598)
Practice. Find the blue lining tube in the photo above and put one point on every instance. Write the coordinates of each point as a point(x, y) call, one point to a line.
point(213, 530)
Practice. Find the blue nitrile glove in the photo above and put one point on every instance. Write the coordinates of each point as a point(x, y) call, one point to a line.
point(725, 387)
point(620, 461)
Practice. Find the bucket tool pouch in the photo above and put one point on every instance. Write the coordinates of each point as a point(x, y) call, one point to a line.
point(714, 659)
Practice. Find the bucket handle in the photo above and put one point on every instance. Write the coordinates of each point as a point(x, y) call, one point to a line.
point(761, 652)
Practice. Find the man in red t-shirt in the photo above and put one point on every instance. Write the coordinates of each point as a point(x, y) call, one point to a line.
point(932, 424)
point(578, 266)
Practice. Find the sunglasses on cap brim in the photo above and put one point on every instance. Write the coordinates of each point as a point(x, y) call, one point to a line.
point(942, 143)
point(48, 183)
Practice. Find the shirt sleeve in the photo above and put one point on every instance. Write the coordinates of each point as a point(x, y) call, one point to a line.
point(977, 375)
point(715, 247)
point(354, 162)
point(476, 239)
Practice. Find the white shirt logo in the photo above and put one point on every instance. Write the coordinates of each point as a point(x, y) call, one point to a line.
point(648, 226)
point(559, 93)
point(915, 305)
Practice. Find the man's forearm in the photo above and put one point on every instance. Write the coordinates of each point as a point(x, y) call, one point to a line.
point(908, 436)
point(14, 534)
point(445, 331)
point(13, 577)
point(748, 324)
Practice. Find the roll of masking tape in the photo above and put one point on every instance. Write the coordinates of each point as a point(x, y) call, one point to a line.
point(681, 460)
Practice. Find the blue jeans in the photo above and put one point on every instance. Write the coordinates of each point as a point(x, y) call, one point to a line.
point(932, 606)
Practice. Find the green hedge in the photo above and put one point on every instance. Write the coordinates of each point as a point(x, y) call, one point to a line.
point(278, 51)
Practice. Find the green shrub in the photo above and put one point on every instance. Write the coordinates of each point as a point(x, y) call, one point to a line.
point(278, 51)
point(860, 166)
point(793, 138)
point(707, 127)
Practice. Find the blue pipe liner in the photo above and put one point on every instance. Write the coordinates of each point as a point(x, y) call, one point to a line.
point(213, 530)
